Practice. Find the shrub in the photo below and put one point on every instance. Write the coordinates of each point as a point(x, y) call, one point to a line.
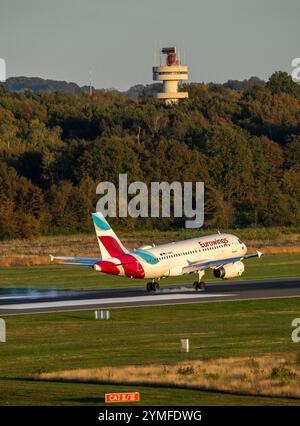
point(184, 371)
point(282, 373)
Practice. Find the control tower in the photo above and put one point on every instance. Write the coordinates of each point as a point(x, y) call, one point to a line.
point(170, 74)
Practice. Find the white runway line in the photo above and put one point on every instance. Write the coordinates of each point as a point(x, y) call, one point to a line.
point(176, 290)
point(21, 297)
point(14, 297)
point(110, 301)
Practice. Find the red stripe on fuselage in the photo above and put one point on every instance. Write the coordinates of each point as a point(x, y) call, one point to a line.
point(131, 266)
point(108, 267)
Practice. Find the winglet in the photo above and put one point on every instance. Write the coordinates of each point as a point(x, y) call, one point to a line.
point(51, 257)
point(259, 254)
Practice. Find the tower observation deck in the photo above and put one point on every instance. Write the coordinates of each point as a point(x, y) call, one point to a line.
point(170, 74)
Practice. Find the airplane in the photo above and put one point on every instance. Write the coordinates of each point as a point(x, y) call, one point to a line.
point(221, 252)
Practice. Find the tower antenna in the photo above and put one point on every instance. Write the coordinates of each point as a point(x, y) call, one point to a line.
point(90, 83)
point(183, 53)
point(171, 73)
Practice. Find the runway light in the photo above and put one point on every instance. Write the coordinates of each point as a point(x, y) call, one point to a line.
point(102, 314)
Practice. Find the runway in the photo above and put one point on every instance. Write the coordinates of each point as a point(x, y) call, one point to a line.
point(23, 301)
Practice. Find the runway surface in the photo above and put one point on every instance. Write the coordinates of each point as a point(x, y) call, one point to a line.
point(21, 301)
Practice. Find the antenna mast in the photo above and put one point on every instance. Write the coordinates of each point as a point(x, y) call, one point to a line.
point(90, 83)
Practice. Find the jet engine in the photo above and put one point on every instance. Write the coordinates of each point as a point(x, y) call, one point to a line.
point(231, 270)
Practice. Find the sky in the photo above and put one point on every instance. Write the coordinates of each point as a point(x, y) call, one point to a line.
point(117, 39)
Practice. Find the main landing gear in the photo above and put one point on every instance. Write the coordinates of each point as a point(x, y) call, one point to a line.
point(152, 286)
point(199, 285)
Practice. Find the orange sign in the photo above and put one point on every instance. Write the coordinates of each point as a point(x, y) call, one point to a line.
point(122, 397)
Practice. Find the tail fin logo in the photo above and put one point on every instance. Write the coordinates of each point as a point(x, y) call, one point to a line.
point(109, 243)
point(101, 223)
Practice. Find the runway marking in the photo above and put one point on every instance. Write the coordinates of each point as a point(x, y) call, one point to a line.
point(190, 302)
point(18, 297)
point(65, 303)
point(37, 295)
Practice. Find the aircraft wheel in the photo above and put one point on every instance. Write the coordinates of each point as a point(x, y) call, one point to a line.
point(199, 285)
point(155, 286)
point(196, 285)
point(152, 286)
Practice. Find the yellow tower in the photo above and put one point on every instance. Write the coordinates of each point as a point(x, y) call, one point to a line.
point(170, 74)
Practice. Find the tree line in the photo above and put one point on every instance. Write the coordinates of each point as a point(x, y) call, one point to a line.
point(56, 147)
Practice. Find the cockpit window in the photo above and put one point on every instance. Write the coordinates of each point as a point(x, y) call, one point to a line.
point(240, 241)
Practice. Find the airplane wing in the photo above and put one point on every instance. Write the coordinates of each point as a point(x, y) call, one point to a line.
point(79, 261)
point(200, 266)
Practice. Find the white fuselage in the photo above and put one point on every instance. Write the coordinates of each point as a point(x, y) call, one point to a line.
point(173, 257)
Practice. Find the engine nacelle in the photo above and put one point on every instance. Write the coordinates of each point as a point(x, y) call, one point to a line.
point(231, 270)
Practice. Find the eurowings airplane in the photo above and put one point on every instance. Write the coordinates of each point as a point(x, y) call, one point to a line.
point(221, 252)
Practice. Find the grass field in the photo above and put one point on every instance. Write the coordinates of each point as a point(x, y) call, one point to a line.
point(140, 336)
point(86, 244)
point(28, 252)
point(67, 277)
point(275, 375)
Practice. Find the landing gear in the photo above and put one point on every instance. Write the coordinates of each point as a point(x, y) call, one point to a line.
point(199, 285)
point(152, 286)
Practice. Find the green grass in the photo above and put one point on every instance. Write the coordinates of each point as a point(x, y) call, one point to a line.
point(60, 341)
point(59, 277)
point(20, 392)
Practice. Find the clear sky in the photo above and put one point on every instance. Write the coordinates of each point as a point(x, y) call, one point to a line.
point(222, 39)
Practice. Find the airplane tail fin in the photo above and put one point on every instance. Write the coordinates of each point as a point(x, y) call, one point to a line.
point(109, 243)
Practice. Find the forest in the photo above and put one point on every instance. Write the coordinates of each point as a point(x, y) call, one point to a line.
point(243, 144)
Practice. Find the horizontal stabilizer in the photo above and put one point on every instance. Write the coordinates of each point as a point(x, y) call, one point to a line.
point(79, 261)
